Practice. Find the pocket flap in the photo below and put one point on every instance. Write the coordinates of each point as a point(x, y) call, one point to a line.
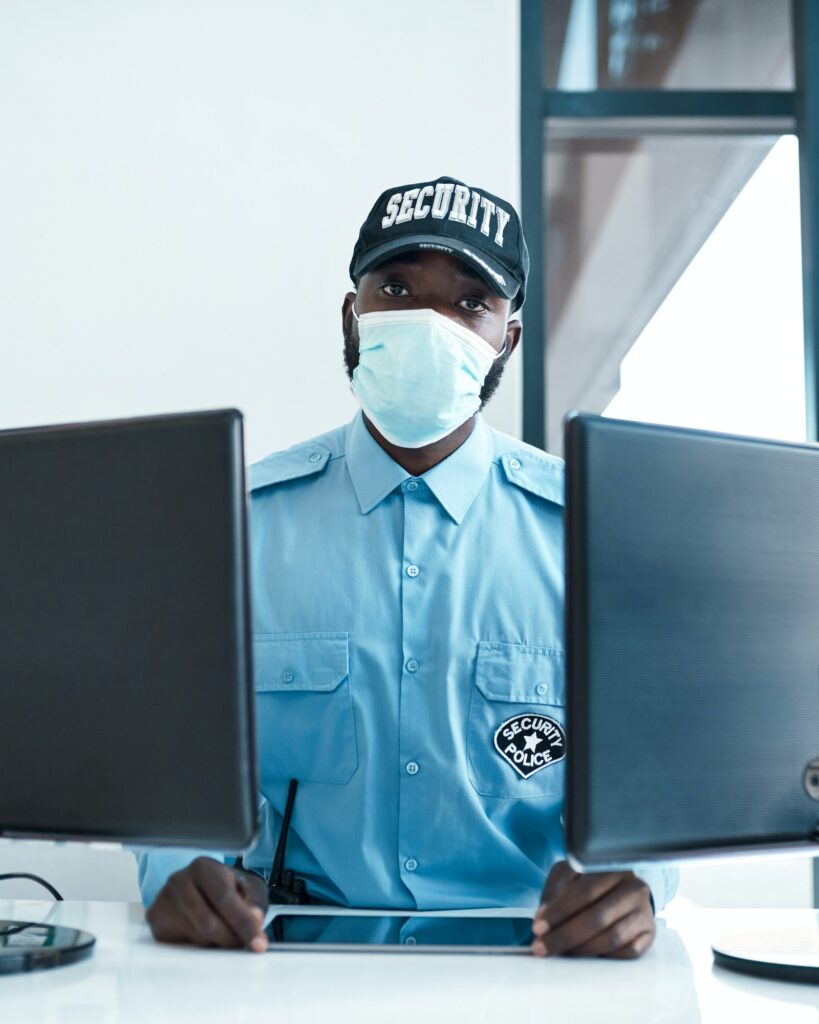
point(298, 662)
point(521, 673)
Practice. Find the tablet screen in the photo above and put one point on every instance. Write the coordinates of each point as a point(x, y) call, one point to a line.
point(399, 930)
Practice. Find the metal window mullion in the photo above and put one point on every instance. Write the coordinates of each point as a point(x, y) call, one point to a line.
point(762, 104)
point(533, 215)
point(806, 41)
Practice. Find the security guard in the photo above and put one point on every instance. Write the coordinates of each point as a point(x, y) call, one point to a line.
point(407, 578)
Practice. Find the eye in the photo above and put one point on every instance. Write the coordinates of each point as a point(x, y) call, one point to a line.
point(394, 290)
point(474, 305)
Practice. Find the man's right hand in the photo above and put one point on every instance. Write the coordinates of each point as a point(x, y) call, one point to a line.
point(210, 904)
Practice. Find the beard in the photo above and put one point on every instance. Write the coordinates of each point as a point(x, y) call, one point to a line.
point(490, 384)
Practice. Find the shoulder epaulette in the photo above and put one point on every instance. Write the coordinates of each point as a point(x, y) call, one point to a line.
point(301, 460)
point(536, 472)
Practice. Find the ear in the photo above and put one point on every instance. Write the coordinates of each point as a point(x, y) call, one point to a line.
point(514, 329)
point(347, 321)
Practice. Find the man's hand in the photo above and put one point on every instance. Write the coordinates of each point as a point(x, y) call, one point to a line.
point(604, 914)
point(210, 904)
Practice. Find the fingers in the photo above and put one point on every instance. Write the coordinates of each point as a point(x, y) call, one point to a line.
point(582, 891)
point(209, 904)
point(168, 922)
point(206, 928)
point(635, 948)
point(561, 875)
point(221, 890)
point(253, 890)
point(606, 914)
point(624, 939)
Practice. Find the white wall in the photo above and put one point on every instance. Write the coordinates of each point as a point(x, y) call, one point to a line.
point(182, 183)
point(766, 881)
point(181, 186)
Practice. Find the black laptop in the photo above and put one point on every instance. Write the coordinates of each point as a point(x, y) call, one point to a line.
point(693, 642)
point(125, 677)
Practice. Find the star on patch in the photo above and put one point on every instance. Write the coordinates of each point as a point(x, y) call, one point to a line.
point(530, 743)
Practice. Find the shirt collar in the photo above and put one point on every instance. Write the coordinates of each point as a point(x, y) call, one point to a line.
point(455, 482)
point(373, 472)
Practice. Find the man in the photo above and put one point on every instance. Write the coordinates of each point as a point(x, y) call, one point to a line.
point(407, 577)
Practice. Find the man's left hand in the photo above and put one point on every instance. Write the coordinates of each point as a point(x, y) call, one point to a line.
point(601, 914)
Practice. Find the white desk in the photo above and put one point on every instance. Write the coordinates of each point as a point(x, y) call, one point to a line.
point(130, 978)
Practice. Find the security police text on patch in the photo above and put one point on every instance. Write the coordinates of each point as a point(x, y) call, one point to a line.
point(530, 743)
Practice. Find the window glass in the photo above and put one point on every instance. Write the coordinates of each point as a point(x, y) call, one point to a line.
point(725, 349)
point(668, 44)
point(673, 276)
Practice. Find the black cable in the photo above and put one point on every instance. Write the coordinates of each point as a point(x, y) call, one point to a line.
point(32, 878)
point(276, 871)
point(14, 929)
point(282, 886)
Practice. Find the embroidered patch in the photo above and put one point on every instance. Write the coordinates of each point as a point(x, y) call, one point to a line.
point(530, 743)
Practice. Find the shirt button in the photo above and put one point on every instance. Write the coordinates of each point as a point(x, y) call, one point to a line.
point(315, 456)
point(412, 665)
point(541, 688)
point(288, 676)
point(412, 485)
point(514, 463)
point(412, 570)
point(410, 940)
point(412, 768)
point(411, 864)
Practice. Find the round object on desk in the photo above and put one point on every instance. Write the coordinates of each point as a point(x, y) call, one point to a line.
point(787, 954)
point(33, 945)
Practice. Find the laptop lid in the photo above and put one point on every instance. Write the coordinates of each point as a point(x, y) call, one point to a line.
point(692, 641)
point(125, 670)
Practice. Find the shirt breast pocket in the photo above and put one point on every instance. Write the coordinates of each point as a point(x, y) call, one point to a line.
point(304, 708)
point(516, 736)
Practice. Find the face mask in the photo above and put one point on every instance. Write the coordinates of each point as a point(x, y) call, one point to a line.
point(419, 374)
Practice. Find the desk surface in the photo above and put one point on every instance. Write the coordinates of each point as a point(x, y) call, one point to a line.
point(132, 979)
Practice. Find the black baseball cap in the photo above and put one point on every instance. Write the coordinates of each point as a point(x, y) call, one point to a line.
point(447, 216)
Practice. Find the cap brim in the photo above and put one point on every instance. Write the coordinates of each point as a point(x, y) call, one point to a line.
point(496, 276)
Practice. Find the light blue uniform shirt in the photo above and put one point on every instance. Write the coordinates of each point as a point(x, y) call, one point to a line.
point(409, 672)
